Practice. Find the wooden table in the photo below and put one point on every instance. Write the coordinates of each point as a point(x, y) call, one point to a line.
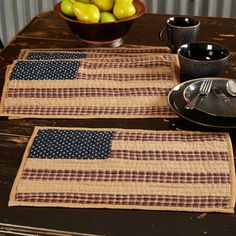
point(47, 31)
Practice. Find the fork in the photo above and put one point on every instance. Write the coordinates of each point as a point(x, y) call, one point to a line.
point(205, 89)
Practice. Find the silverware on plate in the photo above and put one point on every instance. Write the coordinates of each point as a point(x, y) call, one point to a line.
point(205, 89)
point(222, 96)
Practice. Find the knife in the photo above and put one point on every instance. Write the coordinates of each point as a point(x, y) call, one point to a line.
point(222, 96)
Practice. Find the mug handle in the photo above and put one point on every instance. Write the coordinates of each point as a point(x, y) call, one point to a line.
point(163, 38)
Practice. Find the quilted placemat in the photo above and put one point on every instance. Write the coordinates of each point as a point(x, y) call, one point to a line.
point(131, 50)
point(101, 56)
point(54, 55)
point(129, 87)
point(129, 169)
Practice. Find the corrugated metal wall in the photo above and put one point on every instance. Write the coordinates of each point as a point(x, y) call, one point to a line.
point(212, 8)
point(14, 14)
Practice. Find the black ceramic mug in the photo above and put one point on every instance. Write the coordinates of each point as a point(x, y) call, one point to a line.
point(179, 30)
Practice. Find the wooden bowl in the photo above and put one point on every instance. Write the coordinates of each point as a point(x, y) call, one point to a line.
point(101, 32)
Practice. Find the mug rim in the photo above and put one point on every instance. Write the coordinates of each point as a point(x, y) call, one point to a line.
point(196, 23)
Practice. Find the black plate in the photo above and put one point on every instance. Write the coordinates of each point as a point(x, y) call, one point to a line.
point(211, 104)
point(177, 103)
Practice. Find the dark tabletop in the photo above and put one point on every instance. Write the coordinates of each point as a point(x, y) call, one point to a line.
point(47, 31)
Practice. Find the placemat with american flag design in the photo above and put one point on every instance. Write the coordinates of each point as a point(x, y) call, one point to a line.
point(69, 53)
point(128, 87)
point(125, 168)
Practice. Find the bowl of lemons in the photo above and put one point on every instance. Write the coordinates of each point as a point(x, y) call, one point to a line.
point(100, 22)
